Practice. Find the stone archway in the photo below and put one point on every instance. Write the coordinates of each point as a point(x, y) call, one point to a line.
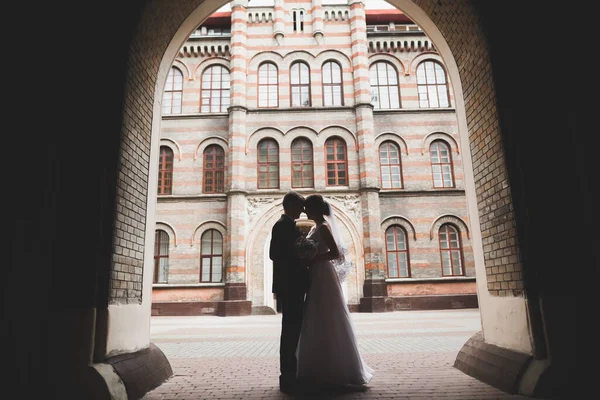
point(117, 317)
point(511, 306)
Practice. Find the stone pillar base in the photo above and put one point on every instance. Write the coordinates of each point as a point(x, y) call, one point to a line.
point(375, 296)
point(372, 304)
point(235, 291)
point(234, 308)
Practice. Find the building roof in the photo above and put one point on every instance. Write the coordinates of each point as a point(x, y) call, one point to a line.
point(387, 15)
point(383, 16)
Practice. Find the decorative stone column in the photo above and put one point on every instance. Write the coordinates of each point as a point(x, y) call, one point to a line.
point(279, 26)
point(235, 302)
point(317, 18)
point(375, 287)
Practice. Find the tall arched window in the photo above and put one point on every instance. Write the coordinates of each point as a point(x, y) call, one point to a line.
point(268, 164)
point(214, 169)
point(300, 85)
point(333, 94)
point(390, 164)
point(216, 86)
point(432, 85)
point(165, 170)
point(385, 91)
point(173, 92)
point(451, 251)
point(302, 163)
point(441, 164)
point(211, 256)
point(337, 162)
point(161, 256)
point(268, 86)
point(398, 260)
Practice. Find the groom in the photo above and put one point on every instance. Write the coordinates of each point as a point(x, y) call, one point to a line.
point(290, 284)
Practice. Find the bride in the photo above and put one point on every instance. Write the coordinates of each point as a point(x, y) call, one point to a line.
point(328, 352)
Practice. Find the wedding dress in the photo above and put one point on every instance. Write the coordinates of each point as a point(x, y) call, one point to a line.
point(328, 352)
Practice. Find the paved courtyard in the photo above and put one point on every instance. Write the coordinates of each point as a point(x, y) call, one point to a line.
point(412, 353)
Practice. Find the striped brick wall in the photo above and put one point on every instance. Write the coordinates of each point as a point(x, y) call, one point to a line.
point(461, 28)
point(492, 190)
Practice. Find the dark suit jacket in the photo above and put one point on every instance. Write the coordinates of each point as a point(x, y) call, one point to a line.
point(289, 272)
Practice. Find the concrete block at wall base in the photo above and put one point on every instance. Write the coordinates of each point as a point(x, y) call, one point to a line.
point(231, 308)
point(499, 367)
point(130, 376)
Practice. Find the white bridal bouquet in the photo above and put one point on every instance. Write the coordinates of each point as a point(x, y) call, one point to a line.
point(306, 248)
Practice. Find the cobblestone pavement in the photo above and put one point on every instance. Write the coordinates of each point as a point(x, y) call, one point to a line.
point(412, 353)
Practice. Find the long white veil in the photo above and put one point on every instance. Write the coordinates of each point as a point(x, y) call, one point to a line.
point(342, 264)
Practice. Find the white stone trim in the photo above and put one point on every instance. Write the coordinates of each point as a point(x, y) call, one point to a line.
point(204, 143)
point(391, 136)
point(426, 56)
point(169, 229)
point(448, 218)
point(165, 141)
point(399, 220)
point(430, 137)
point(341, 131)
point(395, 61)
point(206, 225)
point(210, 62)
point(185, 70)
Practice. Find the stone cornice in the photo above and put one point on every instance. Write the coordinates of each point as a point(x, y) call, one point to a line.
point(375, 189)
point(414, 110)
point(194, 116)
point(194, 197)
point(365, 105)
point(185, 285)
point(449, 279)
point(237, 108)
point(420, 193)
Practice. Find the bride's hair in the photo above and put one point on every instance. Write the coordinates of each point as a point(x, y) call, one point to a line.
point(317, 203)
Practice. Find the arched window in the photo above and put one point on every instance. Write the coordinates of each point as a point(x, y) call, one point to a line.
point(451, 251)
point(385, 91)
point(432, 85)
point(333, 94)
point(300, 85)
point(390, 164)
point(173, 92)
point(337, 162)
point(165, 170)
point(441, 164)
point(161, 256)
point(214, 169)
point(268, 164)
point(211, 256)
point(268, 86)
point(302, 163)
point(396, 244)
point(216, 84)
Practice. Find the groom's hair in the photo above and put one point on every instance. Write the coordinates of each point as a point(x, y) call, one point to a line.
point(292, 198)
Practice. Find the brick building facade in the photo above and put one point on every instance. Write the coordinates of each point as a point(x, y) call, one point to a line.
point(349, 102)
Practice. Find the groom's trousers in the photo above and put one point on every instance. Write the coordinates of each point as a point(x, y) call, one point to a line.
point(292, 312)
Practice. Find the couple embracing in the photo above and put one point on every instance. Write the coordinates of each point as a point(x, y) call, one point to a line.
point(318, 347)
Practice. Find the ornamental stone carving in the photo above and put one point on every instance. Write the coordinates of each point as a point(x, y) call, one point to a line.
point(258, 204)
point(350, 203)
